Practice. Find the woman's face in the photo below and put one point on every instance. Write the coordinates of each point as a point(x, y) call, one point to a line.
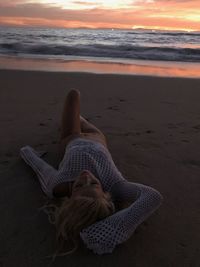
point(86, 185)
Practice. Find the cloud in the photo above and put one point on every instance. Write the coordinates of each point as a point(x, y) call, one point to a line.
point(46, 12)
point(173, 1)
point(159, 13)
point(86, 3)
point(11, 2)
point(167, 3)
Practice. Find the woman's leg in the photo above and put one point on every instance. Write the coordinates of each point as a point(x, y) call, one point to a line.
point(91, 131)
point(87, 127)
point(73, 125)
point(70, 123)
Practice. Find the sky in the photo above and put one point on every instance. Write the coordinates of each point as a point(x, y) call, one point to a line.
point(123, 14)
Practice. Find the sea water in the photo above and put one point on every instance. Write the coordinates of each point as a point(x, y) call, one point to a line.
point(103, 45)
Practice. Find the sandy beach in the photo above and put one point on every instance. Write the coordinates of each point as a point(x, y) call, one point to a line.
point(153, 129)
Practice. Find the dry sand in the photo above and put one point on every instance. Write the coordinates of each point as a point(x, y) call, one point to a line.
point(153, 130)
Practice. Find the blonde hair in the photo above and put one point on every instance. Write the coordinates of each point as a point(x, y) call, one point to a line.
point(75, 214)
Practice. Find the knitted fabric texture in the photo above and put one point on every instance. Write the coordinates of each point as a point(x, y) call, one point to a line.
point(81, 154)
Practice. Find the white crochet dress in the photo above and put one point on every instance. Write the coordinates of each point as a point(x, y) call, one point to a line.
point(82, 154)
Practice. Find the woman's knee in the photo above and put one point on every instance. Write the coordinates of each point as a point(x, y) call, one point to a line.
point(73, 95)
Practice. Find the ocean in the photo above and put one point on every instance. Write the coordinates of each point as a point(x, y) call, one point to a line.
point(141, 52)
point(101, 44)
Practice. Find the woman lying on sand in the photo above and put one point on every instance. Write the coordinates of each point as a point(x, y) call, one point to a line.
point(90, 188)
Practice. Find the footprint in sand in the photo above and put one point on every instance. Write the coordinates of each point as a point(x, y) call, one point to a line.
point(183, 245)
point(116, 108)
point(172, 126)
point(42, 124)
point(149, 131)
point(129, 134)
point(192, 162)
point(135, 133)
point(197, 127)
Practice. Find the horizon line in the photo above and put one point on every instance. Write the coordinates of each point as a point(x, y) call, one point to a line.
point(100, 28)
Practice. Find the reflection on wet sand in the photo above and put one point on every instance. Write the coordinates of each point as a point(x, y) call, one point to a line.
point(138, 67)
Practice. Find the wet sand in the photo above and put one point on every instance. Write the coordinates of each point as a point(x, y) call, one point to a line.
point(104, 66)
point(153, 129)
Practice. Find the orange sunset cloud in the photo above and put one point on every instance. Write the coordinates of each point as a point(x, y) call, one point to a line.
point(127, 14)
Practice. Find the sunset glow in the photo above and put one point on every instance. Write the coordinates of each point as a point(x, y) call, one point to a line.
point(124, 14)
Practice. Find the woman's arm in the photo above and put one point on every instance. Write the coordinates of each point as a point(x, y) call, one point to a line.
point(45, 173)
point(103, 236)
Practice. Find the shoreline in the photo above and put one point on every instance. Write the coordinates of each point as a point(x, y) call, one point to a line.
point(100, 75)
point(133, 67)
